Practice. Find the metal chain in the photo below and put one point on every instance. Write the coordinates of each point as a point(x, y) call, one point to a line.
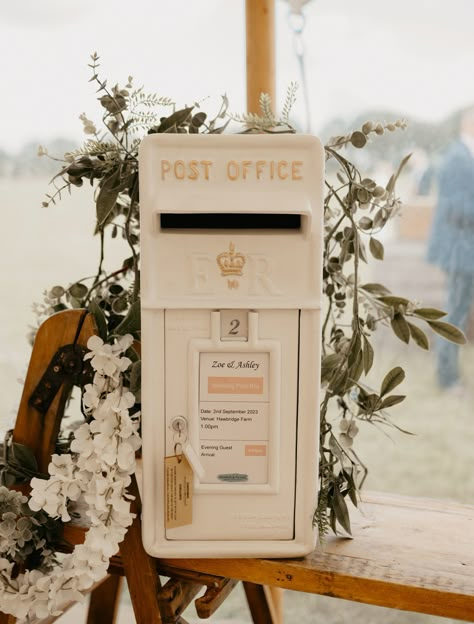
point(296, 21)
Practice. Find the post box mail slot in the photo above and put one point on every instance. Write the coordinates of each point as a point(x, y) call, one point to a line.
point(231, 240)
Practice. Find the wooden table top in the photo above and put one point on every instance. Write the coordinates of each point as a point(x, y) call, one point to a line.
point(406, 553)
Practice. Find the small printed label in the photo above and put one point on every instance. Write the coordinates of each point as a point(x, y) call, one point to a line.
point(234, 417)
point(178, 492)
point(235, 385)
point(255, 450)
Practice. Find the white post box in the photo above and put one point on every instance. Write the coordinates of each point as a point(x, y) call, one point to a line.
point(231, 244)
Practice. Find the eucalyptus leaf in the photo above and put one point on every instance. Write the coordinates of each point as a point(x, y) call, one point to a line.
point(131, 323)
point(23, 456)
point(352, 487)
point(393, 179)
point(400, 328)
point(391, 380)
point(352, 491)
point(358, 139)
point(380, 218)
point(78, 290)
point(393, 301)
point(375, 288)
point(329, 364)
point(419, 336)
point(368, 355)
point(448, 331)
point(355, 348)
point(430, 314)
point(113, 104)
point(135, 376)
point(392, 400)
point(220, 129)
point(99, 318)
point(341, 511)
point(107, 197)
point(376, 248)
point(335, 448)
point(373, 401)
point(362, 252)
point(132, 354)
point(365, 223)
point(176, 119)
point(338, 383)
point(198, 119)
point(57, 291)
point(357, 368)
point(7, 478)
point(75, 303)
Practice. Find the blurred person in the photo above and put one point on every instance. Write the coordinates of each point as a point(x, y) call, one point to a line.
point(421, 172)
point(451, 243)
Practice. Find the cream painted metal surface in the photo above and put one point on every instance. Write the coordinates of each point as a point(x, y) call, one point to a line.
point(231, 243)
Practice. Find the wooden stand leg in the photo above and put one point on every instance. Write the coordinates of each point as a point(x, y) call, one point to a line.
point(261, 609)
point(140, 570)
point(276, 595)
point(104, 601)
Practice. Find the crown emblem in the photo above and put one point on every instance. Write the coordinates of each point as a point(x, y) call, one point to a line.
point(230, 262)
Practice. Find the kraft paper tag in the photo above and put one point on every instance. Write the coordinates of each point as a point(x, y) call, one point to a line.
point(178, 492)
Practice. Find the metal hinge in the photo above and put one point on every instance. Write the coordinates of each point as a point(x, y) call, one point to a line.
point(67, 365)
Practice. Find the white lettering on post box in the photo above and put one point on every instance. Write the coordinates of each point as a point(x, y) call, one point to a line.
point(231, 234)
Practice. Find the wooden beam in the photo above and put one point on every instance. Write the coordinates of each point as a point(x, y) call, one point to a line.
point(260, 29)
point(259, 605)
point(104, 601)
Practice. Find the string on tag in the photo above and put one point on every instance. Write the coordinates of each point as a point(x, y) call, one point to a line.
point(193, 460)
point(178, 451)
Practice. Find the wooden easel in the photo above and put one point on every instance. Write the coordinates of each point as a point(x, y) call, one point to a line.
point(37, 425)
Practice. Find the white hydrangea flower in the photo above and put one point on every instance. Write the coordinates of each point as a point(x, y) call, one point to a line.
point(91, 397)
point(126, 456)
point(105, 358)
point(83, 442)
point(123, 343)
point(99, 471)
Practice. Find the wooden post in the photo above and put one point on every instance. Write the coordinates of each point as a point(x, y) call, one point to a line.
point(260, 29)
point(261, 78)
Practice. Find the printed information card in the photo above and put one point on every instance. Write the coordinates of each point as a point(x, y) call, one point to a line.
point(234, 417)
